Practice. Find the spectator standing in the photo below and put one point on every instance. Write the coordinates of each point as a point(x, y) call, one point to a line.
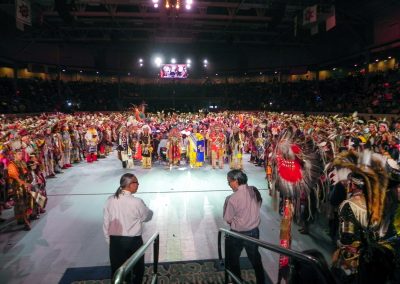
point(242, 213)
point(124, 215)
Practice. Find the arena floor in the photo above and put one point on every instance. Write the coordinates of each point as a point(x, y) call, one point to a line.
point(187, 205)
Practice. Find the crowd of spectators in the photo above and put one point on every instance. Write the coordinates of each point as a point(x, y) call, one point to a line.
point(379, 93)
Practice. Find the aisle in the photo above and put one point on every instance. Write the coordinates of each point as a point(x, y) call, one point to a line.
point(187, 205)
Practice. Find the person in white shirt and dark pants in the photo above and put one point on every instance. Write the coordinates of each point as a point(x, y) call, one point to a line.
point(124, 215)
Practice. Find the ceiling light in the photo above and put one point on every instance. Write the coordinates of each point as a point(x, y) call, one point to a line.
point(158, 61)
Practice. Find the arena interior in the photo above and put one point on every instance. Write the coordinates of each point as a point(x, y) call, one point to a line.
point(190, 96)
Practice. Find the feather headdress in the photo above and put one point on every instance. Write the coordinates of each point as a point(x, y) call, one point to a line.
point(370, 167)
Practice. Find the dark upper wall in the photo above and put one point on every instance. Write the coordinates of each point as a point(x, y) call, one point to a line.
point(352, 35)
point(221, 58)
point(387, 26)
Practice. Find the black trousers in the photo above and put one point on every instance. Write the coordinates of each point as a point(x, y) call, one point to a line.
point(233, 249)
point(121, 248)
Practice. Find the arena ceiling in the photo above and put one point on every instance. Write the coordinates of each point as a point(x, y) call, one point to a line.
point(234, 34)
point(259, 22)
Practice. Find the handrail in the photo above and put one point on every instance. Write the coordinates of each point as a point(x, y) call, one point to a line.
point(323, 271)
point(125, 268)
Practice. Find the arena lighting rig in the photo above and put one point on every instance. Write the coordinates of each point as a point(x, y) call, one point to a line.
point(173, 4)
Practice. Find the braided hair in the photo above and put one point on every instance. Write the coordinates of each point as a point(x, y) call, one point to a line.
point(124, 182)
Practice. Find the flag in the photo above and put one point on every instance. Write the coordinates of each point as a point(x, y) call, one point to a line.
point(310, 15)
point(331, 20)
point(23, 12)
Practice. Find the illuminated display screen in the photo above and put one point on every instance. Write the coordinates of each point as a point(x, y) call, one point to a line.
point(174, 71)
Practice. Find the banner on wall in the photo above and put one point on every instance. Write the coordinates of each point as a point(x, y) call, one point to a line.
point(331, 20)
point(23, 13)
point(310, 15)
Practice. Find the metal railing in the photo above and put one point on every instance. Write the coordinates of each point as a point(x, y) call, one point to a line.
point(128, 265)
point(323, 271)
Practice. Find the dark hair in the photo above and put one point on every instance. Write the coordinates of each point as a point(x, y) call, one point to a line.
point(125, 180)
point(257, 193)
point(237, 175)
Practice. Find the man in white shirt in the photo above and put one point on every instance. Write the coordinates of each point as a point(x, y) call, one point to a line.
point(124, 215)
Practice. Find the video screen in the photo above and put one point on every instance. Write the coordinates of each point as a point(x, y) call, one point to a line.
point(174, 71)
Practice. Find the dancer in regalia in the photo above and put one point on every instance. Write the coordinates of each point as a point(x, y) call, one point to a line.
point(146, 145)
point(92, 139)
point(236, 143)
point(296, 168)
point(363, 254)
point(174, 147)
point(196, 149)
point(217, 145)
point(124, 150)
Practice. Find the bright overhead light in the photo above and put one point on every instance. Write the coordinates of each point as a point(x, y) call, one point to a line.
point(155, 1)
point(188, 65)
point(97, 72)
point(188, 7)
point(140, 60)
point(173, 60)
point(155, 5)
point(80, 71)
point(63, 70)
point(188, 61)
point(205, 61)
point(141, 64)
point(158, 61)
